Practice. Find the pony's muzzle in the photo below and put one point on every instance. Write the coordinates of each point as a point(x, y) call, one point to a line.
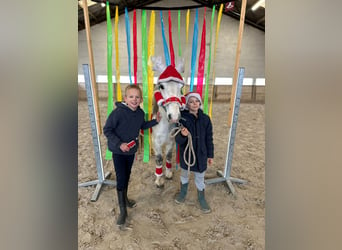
point(173, 118)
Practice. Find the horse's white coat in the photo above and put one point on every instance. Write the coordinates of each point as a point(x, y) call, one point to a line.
point(170, 114)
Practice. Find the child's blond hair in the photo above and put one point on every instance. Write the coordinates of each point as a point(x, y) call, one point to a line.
point(133, 86)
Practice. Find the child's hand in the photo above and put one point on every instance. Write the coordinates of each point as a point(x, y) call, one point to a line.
point(124, 147)
point(184, 131)
point(158, 117)
point(210, 161)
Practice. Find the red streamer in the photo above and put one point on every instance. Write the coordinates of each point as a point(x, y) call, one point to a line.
point(172, 53)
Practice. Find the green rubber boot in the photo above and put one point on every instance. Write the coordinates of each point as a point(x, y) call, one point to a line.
point(180, 198)
point(204, 205)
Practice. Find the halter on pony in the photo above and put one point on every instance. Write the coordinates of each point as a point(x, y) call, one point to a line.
point(162, 102)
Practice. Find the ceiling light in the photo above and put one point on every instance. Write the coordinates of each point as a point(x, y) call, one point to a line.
point(103, 5)
point(258, 4)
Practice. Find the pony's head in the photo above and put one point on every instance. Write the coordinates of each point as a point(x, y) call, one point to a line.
point(169, 86)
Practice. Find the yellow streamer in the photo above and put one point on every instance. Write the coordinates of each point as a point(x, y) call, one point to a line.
point(216, 40)
point(187, 25)
point(150, 53)
point(218, 27)
point(118, 88)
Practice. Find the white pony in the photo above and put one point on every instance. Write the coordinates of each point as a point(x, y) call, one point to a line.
point(168, 100)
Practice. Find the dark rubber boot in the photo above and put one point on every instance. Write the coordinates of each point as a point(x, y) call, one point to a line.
point(123, 210)
point(129, 203)
point(180, 198)
point(204, 205)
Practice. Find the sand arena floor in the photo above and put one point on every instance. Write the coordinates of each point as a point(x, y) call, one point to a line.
point(158, 222)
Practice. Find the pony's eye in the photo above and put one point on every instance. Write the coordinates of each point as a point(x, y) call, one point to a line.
point(161, 86)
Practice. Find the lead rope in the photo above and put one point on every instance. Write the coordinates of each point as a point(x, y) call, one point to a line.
point(189, 149)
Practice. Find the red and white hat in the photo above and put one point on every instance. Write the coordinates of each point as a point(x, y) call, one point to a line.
point(193, 94)
point(170, 74)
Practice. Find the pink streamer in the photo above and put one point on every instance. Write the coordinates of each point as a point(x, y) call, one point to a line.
point(201, 60)
point(172, 53)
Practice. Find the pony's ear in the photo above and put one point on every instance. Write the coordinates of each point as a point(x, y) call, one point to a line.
point(158, 64)
point(180, 65)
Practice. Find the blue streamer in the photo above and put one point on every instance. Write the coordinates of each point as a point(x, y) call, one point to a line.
point(128, 40)
point(166, 49)
point(194, 51)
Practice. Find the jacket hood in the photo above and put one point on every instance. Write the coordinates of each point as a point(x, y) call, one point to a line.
point(124, 106)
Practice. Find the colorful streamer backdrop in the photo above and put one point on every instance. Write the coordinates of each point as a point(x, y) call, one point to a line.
point(145, 83)
point(216, 41)
point(205, 102)
point(172, 53)
point(118, 88)
point(201, 59)
point(166, 50)
point(110, 104)
point(135, 50)
point(151, 38)
point(187, 25)
point(194, 51)
point(128, 41)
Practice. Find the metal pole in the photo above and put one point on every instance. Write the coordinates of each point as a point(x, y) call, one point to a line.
point(96, 140)
point(225, 177)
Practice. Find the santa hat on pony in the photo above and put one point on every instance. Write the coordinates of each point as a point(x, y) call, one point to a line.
point(169, 74)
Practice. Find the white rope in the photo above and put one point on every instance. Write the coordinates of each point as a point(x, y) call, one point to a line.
point(189, 148)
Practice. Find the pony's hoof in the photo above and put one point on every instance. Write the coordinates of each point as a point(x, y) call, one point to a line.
point(168, 175)
point(159, 182)
point(160, 185)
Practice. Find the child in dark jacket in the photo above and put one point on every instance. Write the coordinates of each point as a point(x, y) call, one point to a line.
point(200, 127)
point(122, 131)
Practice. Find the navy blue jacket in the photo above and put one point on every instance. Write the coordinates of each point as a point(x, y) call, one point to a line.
point(123, 125)
point(201, 130)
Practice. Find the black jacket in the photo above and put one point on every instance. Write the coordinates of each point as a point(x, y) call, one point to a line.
point(202, 138)
point(123, 125)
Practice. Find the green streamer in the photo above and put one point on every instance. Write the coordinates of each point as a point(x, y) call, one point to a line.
point(145, 84)
point(179, 40)
point(205, 105)
point(110, 105)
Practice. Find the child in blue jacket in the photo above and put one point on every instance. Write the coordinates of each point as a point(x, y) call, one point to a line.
point(200, 127)
point(122, 130)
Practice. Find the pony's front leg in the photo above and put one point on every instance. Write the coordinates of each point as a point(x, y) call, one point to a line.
point(168, 169)
point(159, 168)
point(159, 171)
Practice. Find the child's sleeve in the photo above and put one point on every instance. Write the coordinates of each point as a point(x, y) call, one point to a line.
point(109, 131)
point(209, 140)
point(149, 124)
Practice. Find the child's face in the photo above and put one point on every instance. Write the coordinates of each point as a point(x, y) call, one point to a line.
point(193, 104)
point(133, 98)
